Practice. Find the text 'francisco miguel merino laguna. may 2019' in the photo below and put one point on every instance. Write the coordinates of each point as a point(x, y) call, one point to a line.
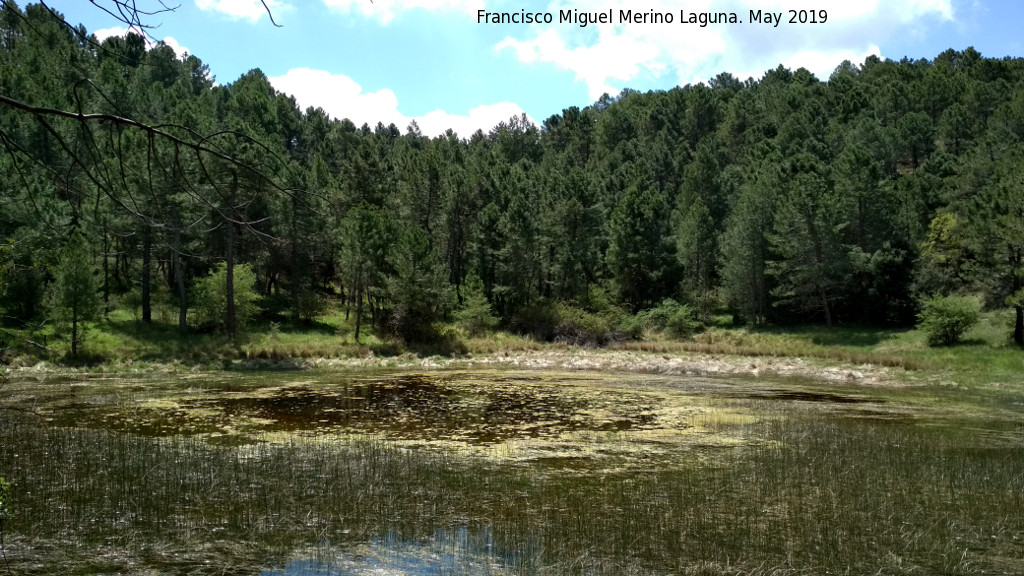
point(583, 18)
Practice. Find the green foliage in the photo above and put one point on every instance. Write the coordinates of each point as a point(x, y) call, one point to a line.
point(682, 323)
point(132, 301)
point(518, 263)
point(307, 305)
point(5, 256)
point(536, 319)
point(475, 316)
point(640, 255)
point(675, 319)
point(362, 257)
point(211, 298)
point(786, 198)
point(809, 239)
point(944, 263)
point(73, 297)
point(576, 325)
point(945, 319)
point(744, 247)
point(6, 511)
point(695, 244)
point(418, 289)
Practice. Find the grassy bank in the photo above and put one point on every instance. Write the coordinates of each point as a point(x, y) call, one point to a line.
point(985, 356)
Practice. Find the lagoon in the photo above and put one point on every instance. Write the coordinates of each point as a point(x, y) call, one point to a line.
point(507, 472)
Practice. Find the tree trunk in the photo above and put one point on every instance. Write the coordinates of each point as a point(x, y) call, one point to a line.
point(74, 333)
point(825, 306)
point(373, 310)
point(1018, 326)
point(179, 281)
point(359, 311)
point(229, 311)
point(106, 271)
point(147, 256)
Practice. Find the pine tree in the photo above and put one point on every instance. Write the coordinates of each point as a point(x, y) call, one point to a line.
point(641, 254)
point(73, 297)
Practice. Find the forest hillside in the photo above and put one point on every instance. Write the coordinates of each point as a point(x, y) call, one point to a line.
point(130, 179)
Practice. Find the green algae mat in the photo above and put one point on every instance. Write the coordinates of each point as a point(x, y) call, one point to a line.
point(507, 472)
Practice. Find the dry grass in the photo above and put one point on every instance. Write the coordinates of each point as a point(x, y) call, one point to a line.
point(984, 357)
point(742, 343)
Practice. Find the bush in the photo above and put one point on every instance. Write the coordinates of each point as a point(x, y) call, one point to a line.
point(211, 299)
point(475, 316)
point(307, 306)
point(132, 302)
point(537, 319)
point(577, 326)
point(675, 319)
point(682, 323)
point(945, 319)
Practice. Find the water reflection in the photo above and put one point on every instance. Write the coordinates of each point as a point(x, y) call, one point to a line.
point(448, 552)
point(664, 475)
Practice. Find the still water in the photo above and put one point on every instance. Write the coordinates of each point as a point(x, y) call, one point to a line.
point(496, 472)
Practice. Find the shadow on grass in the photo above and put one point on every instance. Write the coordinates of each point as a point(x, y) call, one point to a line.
point(163, 342)
point(964, 343)
point(858, 336)
point(318, 327)
point(446, 348)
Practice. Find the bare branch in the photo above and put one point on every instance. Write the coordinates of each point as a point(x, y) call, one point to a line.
point(160, 130)
point(271, 14)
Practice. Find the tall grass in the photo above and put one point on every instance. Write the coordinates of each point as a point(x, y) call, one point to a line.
point(841, 496)
point(984, 357)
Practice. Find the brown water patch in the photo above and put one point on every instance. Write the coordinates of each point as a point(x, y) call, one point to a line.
point(807, 396)
point(429, 408)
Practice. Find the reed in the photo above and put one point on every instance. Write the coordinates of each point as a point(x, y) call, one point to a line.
point(807, 494)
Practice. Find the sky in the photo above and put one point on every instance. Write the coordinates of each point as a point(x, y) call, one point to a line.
point(440, 63)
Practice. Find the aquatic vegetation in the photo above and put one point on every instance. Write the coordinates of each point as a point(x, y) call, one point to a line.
point(509, 473)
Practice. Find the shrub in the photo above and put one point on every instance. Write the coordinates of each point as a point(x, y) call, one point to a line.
point(537, 319)
point(132, 302)
point(211, 299)
point(682, 322)
point(945, 319)
point(475, 316)
point(308, 305)
point(577, 326)
point(675, 319)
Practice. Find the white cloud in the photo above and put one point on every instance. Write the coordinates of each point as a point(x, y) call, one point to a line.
point(342, 97)
point(180, 50)
point(104, 33)
point(251, 10)
point(480, 118)
point(386, 10)
point(609, 57)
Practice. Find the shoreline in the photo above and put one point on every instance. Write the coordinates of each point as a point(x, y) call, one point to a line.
point(573, 359)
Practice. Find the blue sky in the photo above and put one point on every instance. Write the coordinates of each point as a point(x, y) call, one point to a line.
point(430, 60)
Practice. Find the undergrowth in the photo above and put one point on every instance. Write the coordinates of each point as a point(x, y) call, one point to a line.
point(984, 353)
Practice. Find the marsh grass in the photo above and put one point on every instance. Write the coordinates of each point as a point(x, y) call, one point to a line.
point(122, 338)
point(806, 495)
point(984, 358)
